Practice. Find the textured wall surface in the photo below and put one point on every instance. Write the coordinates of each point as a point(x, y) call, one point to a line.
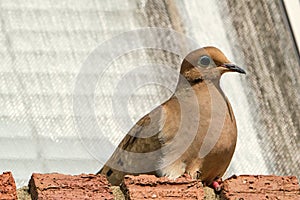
point(264, 41)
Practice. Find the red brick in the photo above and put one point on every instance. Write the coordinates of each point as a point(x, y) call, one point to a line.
point(8, 188)
point(261, 187)
point(151, 187)
point(60, 186)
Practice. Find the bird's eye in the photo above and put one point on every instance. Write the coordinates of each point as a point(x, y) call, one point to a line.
point(204, 61)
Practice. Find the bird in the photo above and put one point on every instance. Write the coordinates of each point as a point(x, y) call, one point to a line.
point(194, 132)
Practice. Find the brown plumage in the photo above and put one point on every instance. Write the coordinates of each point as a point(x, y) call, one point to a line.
point(178, 127)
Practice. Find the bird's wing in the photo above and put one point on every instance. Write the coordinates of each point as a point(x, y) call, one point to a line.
point(139, 151)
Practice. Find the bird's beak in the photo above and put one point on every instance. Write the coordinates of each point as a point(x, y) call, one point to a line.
point(233, 68)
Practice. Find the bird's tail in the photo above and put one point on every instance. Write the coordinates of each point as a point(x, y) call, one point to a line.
point(115, 177)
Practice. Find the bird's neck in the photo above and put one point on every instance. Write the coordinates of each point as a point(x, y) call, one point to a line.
point(208, 82)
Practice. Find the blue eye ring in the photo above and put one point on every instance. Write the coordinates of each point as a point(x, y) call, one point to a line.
point(204, 61)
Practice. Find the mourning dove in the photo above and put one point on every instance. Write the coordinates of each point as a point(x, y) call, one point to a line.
point(165, 143)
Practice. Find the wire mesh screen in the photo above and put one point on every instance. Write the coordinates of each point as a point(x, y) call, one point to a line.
point(268, 50)
point(43, 45)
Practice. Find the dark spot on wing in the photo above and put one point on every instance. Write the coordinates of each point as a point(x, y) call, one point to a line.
point(120, 162)
point(109, 172)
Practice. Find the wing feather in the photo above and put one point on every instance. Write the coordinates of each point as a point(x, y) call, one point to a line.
point(143, 138)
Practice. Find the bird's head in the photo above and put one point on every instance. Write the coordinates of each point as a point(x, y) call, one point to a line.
point(207, 63)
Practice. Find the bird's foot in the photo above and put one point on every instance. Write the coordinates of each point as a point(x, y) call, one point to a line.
point(216, 184)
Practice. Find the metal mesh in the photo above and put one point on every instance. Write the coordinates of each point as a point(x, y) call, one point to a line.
point(43, 45)
point(268, 50)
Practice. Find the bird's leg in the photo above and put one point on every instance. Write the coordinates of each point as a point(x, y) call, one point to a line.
point(216, 184)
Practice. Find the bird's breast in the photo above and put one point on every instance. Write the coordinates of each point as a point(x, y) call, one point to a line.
point(205, 123)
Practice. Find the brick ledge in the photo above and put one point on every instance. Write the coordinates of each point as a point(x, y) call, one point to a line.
point(89, 186)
